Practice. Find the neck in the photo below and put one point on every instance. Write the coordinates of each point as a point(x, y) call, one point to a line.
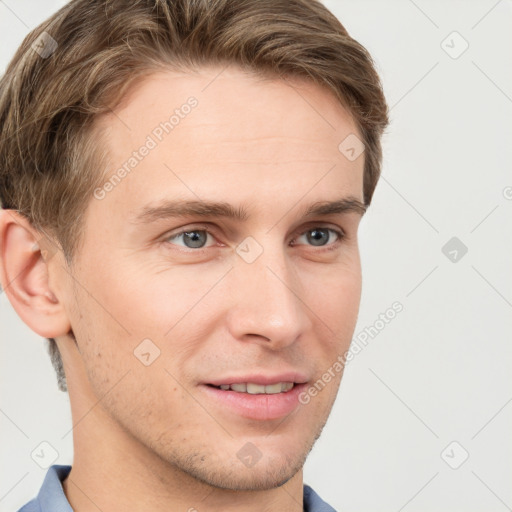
point(108, 477)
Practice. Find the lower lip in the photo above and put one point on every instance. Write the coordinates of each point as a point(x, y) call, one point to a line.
point(257, 407)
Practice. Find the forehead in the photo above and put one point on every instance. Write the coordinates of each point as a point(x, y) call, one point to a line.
point(228, 131)
point(230, 103)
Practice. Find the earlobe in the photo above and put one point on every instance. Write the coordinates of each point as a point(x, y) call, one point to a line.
point(25, 276)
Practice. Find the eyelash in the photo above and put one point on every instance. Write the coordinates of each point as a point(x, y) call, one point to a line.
point(341, 236)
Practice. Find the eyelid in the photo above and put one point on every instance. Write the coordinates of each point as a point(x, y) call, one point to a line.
point(211, 230)
point(193, 227)
point(341, 236)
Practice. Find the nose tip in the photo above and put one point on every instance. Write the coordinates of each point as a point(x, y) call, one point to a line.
point(266, 307)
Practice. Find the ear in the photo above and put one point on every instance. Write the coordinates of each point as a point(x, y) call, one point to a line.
point(24, 275)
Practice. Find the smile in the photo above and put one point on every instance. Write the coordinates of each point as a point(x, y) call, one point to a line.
point(258, 389)
point(255, 401)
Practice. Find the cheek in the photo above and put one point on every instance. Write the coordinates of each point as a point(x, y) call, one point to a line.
point(335, 298)
point(104, 336)
point(155, 299)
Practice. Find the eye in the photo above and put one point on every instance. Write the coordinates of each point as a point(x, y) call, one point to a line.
point(192, 239)
point(196, 238)
point(319, 236)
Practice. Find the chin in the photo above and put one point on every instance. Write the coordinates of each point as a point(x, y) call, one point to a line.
point(274, 466)
point(261, 477)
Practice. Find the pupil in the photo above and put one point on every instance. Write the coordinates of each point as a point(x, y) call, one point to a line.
point(318, 233)
point(196, 238)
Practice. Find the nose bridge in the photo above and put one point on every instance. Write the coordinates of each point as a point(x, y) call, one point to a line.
point(267, 300)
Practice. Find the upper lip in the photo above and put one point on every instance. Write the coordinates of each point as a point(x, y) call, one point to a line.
point(258, 378)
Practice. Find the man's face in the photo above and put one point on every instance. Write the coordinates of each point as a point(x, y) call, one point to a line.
point(272, 298)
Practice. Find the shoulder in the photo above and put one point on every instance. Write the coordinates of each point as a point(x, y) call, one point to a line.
point(313, 502)
point(31, 506)
point(51, 496)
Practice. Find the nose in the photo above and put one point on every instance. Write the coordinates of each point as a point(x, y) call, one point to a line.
point(269, 306)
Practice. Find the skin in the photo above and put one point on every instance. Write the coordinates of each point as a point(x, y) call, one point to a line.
point(147, 437)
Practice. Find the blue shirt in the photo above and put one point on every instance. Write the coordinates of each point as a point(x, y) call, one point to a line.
point(51, 497)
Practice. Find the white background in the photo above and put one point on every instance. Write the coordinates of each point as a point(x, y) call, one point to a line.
point(440, 371)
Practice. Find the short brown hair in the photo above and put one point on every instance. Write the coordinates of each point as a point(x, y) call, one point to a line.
point(50, 159)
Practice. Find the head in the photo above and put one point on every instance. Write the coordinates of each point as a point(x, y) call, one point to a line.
point(156, 172)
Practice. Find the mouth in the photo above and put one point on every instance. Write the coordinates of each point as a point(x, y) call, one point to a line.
point(256, 398)
point(253, 388)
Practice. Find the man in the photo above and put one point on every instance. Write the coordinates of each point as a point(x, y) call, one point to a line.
point(182, 184)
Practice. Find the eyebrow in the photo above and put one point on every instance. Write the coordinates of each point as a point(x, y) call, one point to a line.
point(176, 208)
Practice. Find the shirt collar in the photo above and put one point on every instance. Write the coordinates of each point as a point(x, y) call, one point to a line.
point(51, 497)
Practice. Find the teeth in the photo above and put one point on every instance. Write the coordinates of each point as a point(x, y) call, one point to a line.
point(258, 389)
point(274, 388)
point(255, 389)
point(286, 386)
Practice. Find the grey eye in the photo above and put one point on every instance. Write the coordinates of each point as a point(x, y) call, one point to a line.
point(318, 236)
point(192, 239)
